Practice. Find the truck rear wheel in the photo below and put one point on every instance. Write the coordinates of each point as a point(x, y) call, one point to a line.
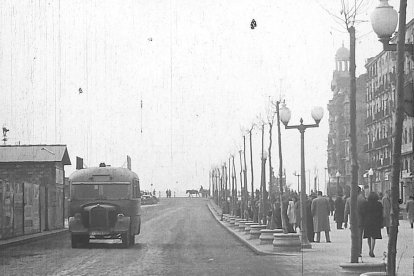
point(132, 239)
point(74, 241)
point(126, 239)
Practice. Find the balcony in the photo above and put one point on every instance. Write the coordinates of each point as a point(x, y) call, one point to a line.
point(379, 115)
point(381, 142)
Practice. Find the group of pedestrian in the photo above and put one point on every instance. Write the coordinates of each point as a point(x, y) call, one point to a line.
point(168, 193)
point(373, 213)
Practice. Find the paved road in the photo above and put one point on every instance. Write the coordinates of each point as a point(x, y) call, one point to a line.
point(179, 237)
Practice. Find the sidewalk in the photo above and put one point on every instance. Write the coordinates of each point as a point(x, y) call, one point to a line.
point(32, 237)
point(324, 258)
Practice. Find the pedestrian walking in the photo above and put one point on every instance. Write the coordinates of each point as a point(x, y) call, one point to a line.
point(320, 211)
point(371, 214)
point(410, 210)
point(291, 212)
point(276, 214)
point(386, 211)
point(297, 214)
point(285, 205)
point(309, 222)
point(331, 206)
point(339, 212)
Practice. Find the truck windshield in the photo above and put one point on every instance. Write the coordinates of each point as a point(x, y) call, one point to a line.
point(115, 191)
point(85, 191)
point(105, 191)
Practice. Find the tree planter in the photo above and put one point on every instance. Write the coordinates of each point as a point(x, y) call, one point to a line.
point(248, 225)
point(266, 235)
point(242, 224)
point(237, 222)
point(255, 231)
point(364, 268)
point(286, 242)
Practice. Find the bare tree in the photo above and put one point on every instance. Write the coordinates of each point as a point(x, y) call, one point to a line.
point(349, 12)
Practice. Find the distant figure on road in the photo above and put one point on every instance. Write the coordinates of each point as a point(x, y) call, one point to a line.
point(371, 214)
point(339, 211)
point(320, 210)
point(386, 211)
point(410, 210)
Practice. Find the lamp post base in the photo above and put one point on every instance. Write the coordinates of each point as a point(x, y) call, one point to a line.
point(305, 244)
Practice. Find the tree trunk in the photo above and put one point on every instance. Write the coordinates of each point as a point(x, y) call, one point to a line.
point(279, 137)
point(241, 187)
point(354, 157)
point(270, 166)
point(235, 188)
point(396, 157)
point(245, 172)
point(263, 184)
point(251, 169)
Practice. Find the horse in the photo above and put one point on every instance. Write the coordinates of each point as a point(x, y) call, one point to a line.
point(192, 192)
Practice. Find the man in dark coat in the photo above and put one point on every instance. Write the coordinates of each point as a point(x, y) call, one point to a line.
point(320, 210)
point(339, 211)
point(309, 222)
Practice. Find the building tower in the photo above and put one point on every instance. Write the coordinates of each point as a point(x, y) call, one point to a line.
point(339, 156)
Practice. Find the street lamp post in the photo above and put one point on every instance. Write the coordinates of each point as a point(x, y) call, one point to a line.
point(384, 20)
point(338, 188)
point(298, 175)
point(279, 139)
point(371, 174)
point(264, 192)
point(317, 114)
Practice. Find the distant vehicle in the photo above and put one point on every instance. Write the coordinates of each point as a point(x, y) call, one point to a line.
point(105, 203)
point(148, 199)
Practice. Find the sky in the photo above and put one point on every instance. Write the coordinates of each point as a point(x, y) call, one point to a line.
point(202, 75)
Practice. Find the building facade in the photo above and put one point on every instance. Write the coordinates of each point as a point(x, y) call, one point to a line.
point(339, 154)
point(380, 113)
point(32, 189)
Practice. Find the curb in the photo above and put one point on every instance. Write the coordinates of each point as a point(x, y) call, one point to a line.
point(245, 242)
point(29, 238)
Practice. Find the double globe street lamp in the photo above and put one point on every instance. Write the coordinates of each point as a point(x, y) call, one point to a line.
point(317, 114)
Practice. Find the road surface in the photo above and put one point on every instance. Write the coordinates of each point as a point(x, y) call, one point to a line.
point(179, 236)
